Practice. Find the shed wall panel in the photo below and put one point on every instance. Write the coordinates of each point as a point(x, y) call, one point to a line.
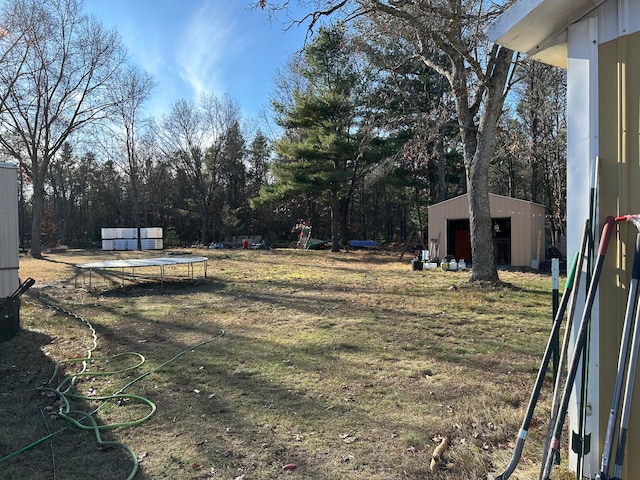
point(8, 229)
point(619, 175)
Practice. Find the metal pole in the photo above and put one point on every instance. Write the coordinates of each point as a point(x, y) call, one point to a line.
point(575, 274)
point(629, 323)
point(555, 282)
point(579, 346)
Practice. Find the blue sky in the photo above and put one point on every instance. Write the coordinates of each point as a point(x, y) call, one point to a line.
point(193, 46)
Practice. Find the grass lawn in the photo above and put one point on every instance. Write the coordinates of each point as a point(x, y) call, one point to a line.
point(346, 365)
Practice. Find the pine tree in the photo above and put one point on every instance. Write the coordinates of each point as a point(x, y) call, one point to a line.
point(320, 153)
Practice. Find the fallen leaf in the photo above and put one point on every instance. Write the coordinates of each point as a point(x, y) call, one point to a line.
point(290, 466)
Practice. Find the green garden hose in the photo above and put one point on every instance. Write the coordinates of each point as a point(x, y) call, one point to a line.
point(63, 391)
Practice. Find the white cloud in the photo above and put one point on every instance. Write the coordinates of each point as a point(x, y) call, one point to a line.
point(210, 40)
point(190, 47)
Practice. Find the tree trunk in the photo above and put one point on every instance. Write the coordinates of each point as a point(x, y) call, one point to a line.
point(344, 220)
point(482, 253)
point(335, 237)
point(484, 264)
point(38, 209)
point(442, 172)
point(203, 226)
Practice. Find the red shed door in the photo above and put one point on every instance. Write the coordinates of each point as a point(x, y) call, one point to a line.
point(463, 245)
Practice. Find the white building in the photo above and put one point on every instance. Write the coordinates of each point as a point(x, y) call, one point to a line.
point(598, 42)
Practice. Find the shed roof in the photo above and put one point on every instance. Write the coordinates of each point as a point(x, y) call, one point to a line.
point(539, 27)
point(494, 195)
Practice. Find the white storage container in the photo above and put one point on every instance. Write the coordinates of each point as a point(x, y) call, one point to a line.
point(108, 244)
point(128, 233)
point(151, 244)
point(151, 232)
point(109, 233)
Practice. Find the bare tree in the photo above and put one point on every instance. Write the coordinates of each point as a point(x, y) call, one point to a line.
point(70, 62)
point(132, 89)
point(12, 58)
point(542, 110)
point(192, 136)
point(448, 37)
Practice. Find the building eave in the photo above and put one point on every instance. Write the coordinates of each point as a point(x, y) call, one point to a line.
point(494, 195)
point(538, 28)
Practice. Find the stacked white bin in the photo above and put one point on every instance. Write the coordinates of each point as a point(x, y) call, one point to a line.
point(128, 238)
point(151, 238)
point(119, 238)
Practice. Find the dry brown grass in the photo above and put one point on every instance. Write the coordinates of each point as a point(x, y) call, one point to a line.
point(349, 365)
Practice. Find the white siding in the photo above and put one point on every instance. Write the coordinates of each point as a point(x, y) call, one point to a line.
point(582, 149)
point(8, 229)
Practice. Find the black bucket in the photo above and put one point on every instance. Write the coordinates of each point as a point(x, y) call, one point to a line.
point(9, 319)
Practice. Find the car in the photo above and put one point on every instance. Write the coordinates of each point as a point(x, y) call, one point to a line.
point(220, 245)
point(260, 246)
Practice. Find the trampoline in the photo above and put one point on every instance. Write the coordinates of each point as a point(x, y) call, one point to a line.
point(135, 263)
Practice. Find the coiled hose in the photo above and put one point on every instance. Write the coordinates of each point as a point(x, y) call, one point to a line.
point(63, 392)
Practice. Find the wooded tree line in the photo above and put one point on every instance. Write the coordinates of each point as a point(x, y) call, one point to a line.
point(367, 136)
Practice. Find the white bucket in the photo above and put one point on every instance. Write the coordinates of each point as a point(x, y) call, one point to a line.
point(453, 265)
point(462, 265)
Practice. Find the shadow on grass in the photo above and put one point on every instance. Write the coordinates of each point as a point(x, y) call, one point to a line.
point(225, 399)
point(35, 443)
point(312, 370)
point(234, 415)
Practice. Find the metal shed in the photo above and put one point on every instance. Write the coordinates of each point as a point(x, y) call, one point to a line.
point(518, 229)
point(597, 41)
point(9, 320)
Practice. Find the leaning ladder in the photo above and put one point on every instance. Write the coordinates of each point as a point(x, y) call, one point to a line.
point(303, 239)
